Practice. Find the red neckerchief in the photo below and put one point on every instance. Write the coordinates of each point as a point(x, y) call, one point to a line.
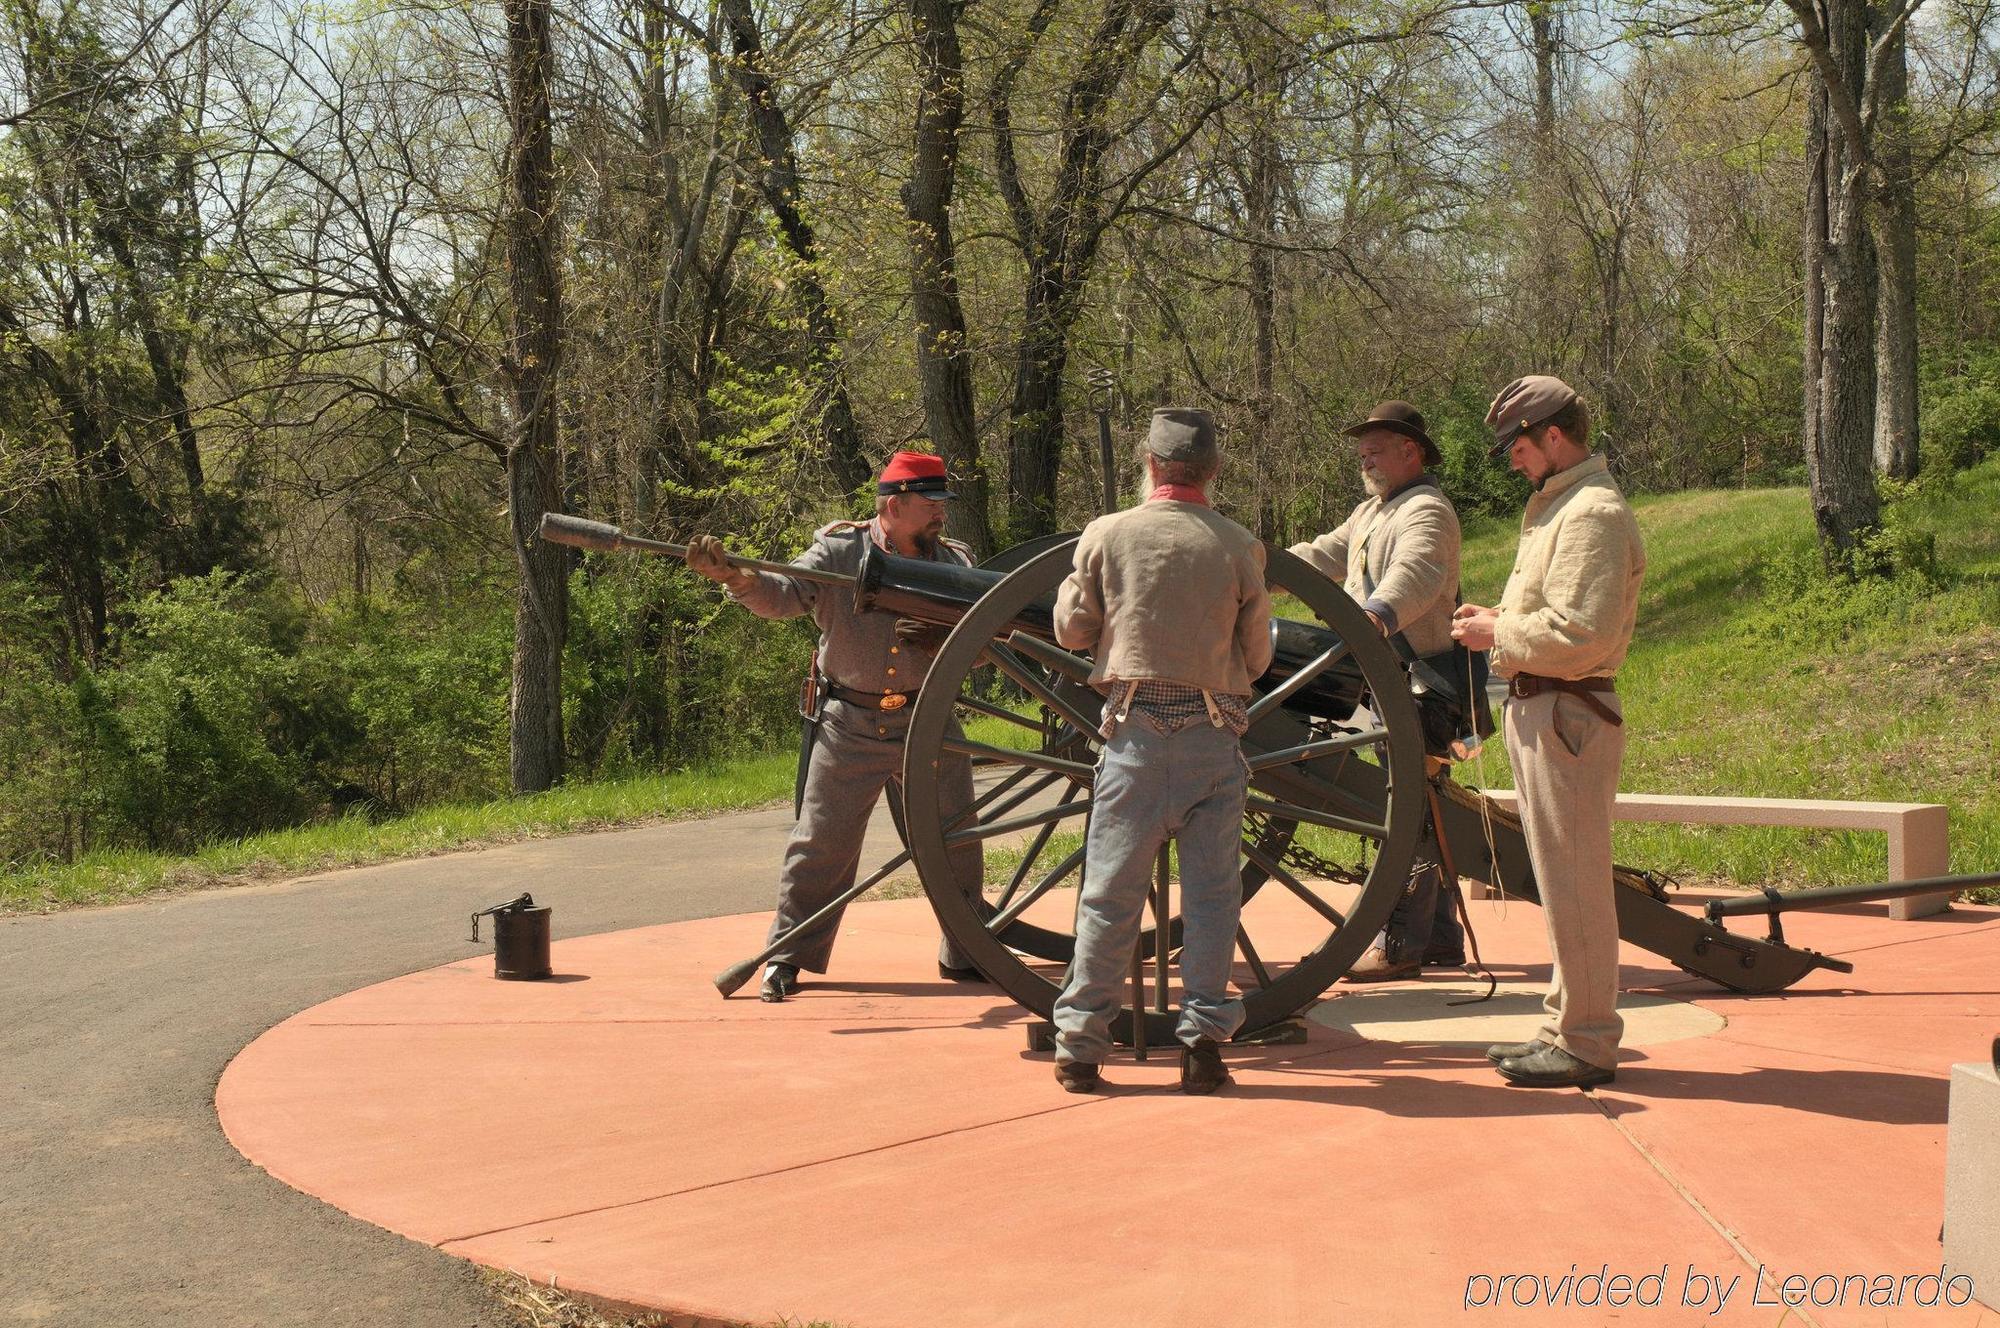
point(1178, 493)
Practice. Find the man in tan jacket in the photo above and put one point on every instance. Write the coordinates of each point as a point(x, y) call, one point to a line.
point(1562, 629)
point(1396, 555)
point(1169, 597)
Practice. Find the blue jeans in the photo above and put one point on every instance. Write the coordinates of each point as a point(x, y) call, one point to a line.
point(1187, 786)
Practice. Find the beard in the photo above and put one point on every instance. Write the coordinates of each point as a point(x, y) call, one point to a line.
point(926, 540)
point(1372, 481)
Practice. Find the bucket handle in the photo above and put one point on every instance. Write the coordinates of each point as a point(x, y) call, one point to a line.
point(520, 901)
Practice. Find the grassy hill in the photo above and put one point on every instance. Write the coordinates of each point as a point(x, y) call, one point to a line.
point(1751, 675)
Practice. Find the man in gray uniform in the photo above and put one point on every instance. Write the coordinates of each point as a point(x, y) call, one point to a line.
point(871, 675)
point(1396, 555)
point(1169, 597)
point(1562, 629)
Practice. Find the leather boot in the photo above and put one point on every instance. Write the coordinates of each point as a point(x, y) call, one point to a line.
point(780, 981)
point(1377, 966)
point(1202, 1070)
point(1077, 1076)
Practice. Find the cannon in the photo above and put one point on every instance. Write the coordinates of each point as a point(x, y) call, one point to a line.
point(1342, 797)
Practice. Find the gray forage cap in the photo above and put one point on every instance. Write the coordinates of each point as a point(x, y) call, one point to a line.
point(1183, 433)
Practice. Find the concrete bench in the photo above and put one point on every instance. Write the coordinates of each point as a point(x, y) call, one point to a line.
point(1919, 832)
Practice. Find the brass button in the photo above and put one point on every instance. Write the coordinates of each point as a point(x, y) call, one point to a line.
point(892, 650)
point(880, 729)
point(892, 672)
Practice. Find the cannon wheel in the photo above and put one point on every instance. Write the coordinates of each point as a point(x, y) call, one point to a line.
point(1291, 767)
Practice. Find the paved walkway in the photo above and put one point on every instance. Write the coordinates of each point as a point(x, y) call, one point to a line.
point(883, 1153)
point(122, 1203)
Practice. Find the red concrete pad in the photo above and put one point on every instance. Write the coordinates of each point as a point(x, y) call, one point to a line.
point(882, 1151)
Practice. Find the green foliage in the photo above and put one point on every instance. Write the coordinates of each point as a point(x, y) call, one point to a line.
point(185, 739)
point(1476, 481)
point(232, 707)
point(1888, 576)
point(663, 672)
point(1961, 412)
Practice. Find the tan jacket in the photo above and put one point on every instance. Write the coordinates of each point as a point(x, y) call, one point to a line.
point(1169, 591)
point(1573, 596)
point(1398, 559)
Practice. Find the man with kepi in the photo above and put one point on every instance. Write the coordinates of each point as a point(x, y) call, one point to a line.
point(1562, 629)
point(1169, 597)
point(872, 666)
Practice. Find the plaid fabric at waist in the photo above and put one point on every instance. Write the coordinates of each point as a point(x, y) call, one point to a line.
point(1174, 706)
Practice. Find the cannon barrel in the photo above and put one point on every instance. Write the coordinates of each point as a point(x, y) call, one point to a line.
point(942, 593)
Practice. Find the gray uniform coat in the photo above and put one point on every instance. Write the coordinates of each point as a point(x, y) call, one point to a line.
point(860, 749)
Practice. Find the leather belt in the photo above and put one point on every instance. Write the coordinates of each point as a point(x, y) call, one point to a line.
point(1524, 685)
point(872, 700)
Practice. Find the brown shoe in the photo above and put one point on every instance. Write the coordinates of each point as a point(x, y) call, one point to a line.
point(1202, 1070)
point(1077, 1076)
point(1376, 966)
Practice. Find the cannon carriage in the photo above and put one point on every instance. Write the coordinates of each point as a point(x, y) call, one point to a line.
point(1341, 799)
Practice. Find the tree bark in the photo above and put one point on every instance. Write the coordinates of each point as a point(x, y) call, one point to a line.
point(944, 362)
point(1839, 456)
point(1261, 209)
point(534, 356)
point(1893, 227)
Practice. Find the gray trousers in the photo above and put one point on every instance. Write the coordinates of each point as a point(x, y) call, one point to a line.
point(859, 752)
point(1187, 786)
point(1566, 761)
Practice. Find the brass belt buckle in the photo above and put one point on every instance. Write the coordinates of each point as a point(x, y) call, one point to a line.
point(894, 700)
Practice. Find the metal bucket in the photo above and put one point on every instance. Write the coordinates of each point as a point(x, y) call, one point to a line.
point(520, 939)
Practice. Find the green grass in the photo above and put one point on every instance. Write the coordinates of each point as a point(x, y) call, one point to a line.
point(1735, 687)
point(109, 877)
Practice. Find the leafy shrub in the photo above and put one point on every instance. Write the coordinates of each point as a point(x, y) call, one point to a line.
point(1961, 413)
point(662, 672)
point(182, 736)
point(1896, 567)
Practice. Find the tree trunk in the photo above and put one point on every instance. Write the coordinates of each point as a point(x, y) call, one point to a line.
point(1035, 444)
point(840, 432)
point(534, 354)
point(1262, 210)
point(1893, 225)
point(1840, 454)
point(944, 364)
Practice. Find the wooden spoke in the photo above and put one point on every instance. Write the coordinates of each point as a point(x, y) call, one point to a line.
point(979, 803)
point(999, 921)
point(1074, 667)
point(1012, 665)
point(1286, 811)
point(981, 833)
point(1312, 751)
point(1292, 883)
point(1257, 968)
point(1000, 712)
point(1032, 854)
point(1160, 929)
point(1076, 770)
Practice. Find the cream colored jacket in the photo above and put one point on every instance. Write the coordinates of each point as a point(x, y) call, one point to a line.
point(1573, 596)
point(1168, 591)
point(1399, 559)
